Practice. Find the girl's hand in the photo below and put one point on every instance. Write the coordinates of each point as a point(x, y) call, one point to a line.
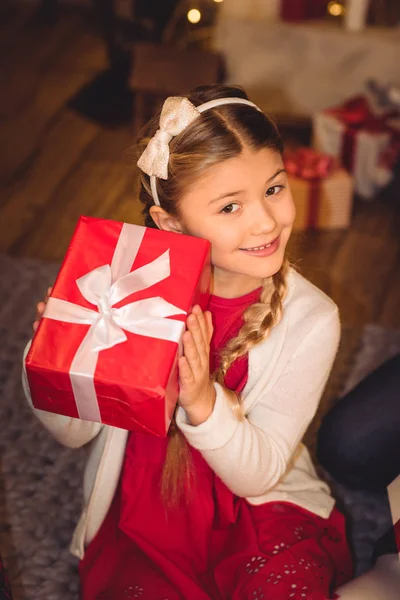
point(40, 310)
point(197, 394)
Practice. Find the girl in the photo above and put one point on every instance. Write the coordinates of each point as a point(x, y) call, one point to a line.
point(229, 506)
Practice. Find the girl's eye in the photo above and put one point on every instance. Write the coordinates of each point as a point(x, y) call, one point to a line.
point(275, 189)
point(230, 208)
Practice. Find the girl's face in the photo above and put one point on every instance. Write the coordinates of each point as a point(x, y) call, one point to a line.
point(244, 207)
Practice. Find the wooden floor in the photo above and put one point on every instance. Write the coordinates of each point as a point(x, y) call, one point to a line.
point(56, 165)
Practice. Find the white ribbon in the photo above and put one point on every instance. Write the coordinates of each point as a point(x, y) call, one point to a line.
point(176, 114)
point(104, 287)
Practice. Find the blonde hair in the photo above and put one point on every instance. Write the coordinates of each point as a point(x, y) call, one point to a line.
point(219, 134)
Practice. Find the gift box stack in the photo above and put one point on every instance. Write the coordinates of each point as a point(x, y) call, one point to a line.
point(356, 147)
point(107, 347)
point(363, 134)
point(321, 189)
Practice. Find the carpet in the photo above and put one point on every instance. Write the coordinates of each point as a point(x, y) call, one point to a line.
point(40, 481)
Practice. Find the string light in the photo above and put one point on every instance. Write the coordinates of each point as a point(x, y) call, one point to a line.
point(335, 9)
point(194, 15)
point(218, 0)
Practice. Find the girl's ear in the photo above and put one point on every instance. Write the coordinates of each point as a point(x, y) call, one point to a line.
point(164, 220)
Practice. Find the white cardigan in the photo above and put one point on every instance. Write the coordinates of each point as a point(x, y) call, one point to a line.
point(260, 457)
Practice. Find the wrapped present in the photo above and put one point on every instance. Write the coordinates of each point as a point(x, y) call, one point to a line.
point(106, 349)
point(322, 191)
point(360, 139)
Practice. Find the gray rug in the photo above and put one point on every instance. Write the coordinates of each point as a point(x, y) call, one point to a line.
point(40, 481)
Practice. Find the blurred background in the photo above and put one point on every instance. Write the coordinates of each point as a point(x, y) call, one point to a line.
point(78, 79)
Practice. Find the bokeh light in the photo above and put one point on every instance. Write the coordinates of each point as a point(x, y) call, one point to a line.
point(194, 15)
point(335, 9)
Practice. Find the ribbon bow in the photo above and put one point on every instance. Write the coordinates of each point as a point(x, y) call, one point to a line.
point(143, 317)
point(307, 163)
point(356, 113)
point(177, 113)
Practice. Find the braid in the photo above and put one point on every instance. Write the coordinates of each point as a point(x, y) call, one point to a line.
point(257, 322)
point(178, 475)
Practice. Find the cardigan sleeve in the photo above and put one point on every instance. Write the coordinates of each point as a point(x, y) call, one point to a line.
point(67, 430)
point(252, 454)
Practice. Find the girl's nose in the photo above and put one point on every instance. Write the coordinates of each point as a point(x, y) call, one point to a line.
point(263, 219)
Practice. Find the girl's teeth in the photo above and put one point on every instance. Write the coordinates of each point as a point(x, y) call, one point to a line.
point(260, 247)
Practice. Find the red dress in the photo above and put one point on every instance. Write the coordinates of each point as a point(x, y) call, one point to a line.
point(216, 546)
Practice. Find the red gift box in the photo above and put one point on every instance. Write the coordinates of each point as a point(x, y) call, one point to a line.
point(107, 346)
point(311, 166)
point(322, 192)
point(356, 115)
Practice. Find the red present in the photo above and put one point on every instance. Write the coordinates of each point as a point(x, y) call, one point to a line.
point(107, 347)
point(322, 192)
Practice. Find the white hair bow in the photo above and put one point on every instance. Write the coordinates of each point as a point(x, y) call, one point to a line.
point(177, 113)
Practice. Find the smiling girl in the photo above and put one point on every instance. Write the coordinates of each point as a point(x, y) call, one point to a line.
point(229, 506)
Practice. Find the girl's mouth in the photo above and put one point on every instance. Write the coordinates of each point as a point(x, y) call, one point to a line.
point(262, 251)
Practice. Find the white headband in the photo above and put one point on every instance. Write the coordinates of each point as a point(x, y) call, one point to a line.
point(176, 114)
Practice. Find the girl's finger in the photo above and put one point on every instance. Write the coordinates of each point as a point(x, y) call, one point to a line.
point(35, 325)
point(191, 353)
point(40, 309)
point(185, 372)
point(197, 335)
point(203, 324)
point(209, 325)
